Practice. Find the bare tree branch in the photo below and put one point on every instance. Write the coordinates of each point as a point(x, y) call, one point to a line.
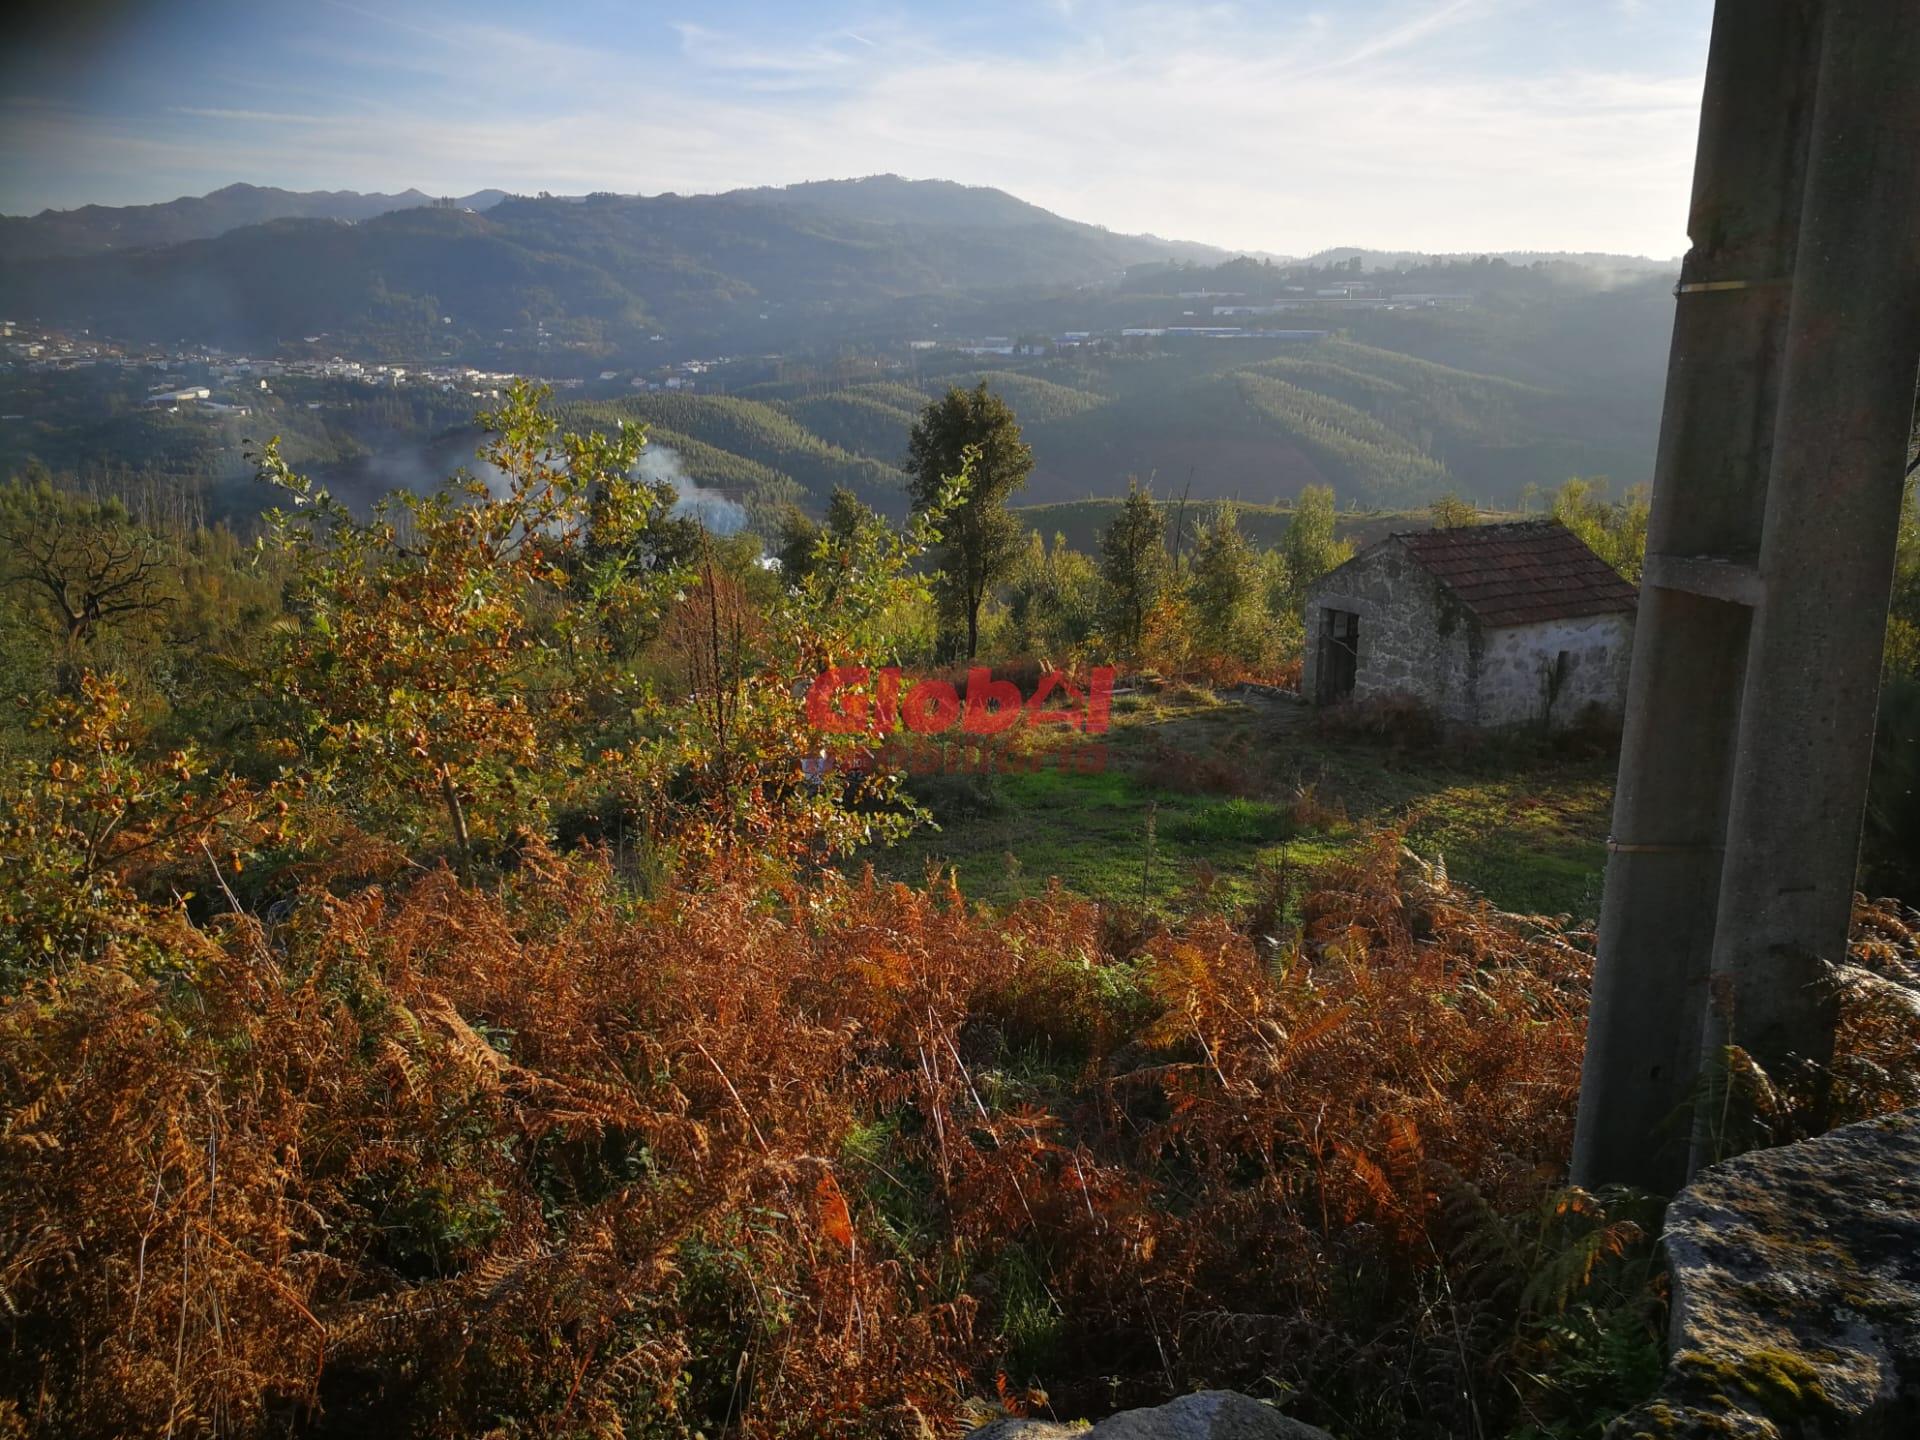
point(91, 571)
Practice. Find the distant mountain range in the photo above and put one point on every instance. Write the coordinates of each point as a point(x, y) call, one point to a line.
point(890, 200)
point(410, 276)
point(253, 267)
point(1537, 372)
point(93, 228)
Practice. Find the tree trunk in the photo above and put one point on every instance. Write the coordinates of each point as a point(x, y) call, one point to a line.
point(456, 813)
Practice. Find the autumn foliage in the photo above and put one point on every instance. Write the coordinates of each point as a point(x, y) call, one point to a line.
point(435, 1160)
point(825, 1158)
point(313, 1123)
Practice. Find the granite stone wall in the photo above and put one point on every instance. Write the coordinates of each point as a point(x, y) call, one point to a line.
point(1418, 640)
point(1415, 638)
point(1515, 664)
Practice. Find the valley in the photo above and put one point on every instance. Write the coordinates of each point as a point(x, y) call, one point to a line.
point(792, 355)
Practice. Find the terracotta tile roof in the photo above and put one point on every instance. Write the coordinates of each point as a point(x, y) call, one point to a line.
point(1521, 574)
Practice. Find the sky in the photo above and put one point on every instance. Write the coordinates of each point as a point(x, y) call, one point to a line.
point(1435, 125)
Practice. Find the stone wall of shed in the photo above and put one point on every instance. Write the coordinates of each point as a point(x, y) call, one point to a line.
point(1418, 640)
point(1415, 639)
point(1511, 683)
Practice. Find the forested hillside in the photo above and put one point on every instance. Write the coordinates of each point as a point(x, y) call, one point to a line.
point(92, 228)
point(605, 266)
point(1384, 429)
point(1209, 421)
point(749, 447)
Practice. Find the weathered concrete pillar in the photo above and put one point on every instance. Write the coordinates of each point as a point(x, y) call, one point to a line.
point(1827, 554)
point(1656, 928)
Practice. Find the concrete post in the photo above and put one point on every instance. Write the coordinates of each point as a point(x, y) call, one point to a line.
point(1656, 928)
point(1827, 555)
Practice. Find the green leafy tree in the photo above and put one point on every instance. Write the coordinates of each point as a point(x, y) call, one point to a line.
point(1134, 567)
point(863, 579)
point(802, 545)
point(979, 540)
point(1052, 601)
point(733, 742)
point(81, 569)
point(723, 766)
point(446, 650)
point(1223, 588)
point(103, 815)
point(796, 535)
point(1309, 549)
point(1450, 512)
point(1616, 531)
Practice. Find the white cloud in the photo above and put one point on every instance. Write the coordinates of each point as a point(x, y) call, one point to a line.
point(718, 51)
point(1416, 27)
point(1195, 122)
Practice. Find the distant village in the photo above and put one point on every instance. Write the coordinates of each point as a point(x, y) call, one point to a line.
point(215, 381)
point(1219, 305)
point(212, 380)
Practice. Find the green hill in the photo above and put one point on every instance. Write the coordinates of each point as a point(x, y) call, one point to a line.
point(761, 434)
point(875, 419)
point(1360, 455)
point(898, 394)
point(1035, 400)
point(1212, 421)
point(857, 422)
point(1236, 420)
point(1384, 429)
point(603, 270)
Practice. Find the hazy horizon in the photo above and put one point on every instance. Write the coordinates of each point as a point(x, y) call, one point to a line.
point(265, 184)
point(1445, 126)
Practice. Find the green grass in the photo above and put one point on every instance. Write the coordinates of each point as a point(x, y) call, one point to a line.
point(1200, 794)
point(1233, 821)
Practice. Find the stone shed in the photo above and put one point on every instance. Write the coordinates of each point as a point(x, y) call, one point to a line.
point(1486, 625)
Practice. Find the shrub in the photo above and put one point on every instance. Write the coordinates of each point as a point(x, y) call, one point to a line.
point(819, 1159)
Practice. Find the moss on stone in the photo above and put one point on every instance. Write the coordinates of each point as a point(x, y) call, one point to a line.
point(1661, 1420)
point(1784, 1382)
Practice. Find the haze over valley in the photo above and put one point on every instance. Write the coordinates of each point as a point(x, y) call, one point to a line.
point(781, 342)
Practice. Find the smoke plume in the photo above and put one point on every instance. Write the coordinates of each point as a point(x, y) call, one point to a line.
point(711, 508)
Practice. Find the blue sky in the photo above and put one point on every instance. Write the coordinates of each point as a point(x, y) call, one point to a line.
point(1418, 124)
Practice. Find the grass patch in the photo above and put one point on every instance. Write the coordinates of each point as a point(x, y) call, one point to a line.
point(1523, 825)
point(1233, 821)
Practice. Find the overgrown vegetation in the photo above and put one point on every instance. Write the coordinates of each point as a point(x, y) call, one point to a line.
point(436, 999)
point(1242, 784)
point(774, 1155)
